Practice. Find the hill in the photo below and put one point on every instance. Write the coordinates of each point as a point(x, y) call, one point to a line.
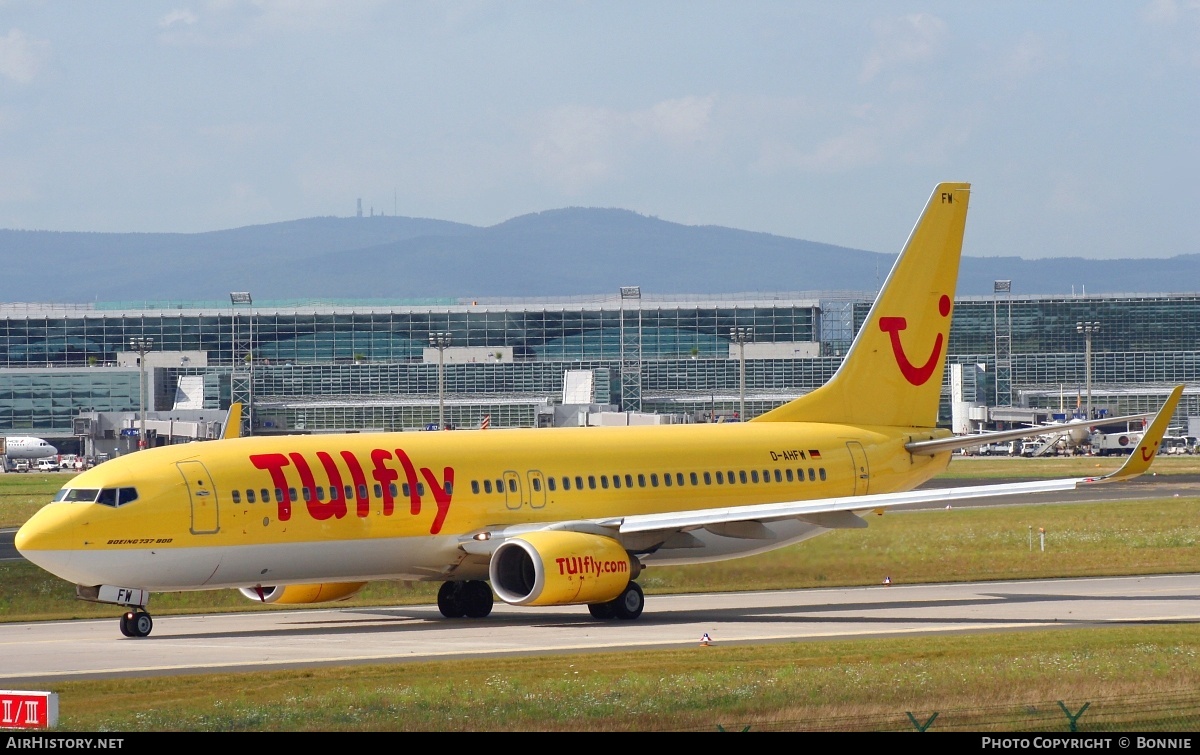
point(572, 251)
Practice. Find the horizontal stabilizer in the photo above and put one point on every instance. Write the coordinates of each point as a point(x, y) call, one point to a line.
point(953, 443)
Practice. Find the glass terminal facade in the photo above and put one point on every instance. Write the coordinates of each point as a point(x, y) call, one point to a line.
point(346, 366)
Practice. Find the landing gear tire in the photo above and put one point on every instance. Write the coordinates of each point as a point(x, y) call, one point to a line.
point(472, 599)
point(450, 600)
point(602, 611)
point(629, 604)
point(476, 599)
point(136, 624)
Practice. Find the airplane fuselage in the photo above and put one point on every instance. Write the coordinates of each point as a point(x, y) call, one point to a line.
point(399, 505)
point(28, 447)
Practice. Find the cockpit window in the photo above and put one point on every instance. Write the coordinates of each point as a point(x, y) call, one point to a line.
point(77, 495)
point(106, 496)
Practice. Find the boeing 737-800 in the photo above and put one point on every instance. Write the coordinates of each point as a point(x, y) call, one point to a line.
point(546, 516)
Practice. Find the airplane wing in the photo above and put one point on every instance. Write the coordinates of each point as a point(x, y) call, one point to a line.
point(953, 443)
point(839, 512)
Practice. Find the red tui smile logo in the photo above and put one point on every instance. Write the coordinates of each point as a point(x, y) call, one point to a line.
point(912, 373)
point(1147, 454)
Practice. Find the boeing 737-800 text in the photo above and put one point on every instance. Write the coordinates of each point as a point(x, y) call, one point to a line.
point(546, 516)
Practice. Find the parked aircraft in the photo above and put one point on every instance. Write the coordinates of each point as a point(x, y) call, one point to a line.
point(563, 516)
point(28, 447)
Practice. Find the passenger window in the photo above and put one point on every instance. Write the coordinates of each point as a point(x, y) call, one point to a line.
point(378, 490)
point(250, 495)
point(292, 495)
point(729, 474)
point(334, 490)
point(278, 495)
point(578, 482)
point(566, 483)
point(237, 496)
point(811, 475)
point(822, 471)
point(616, 481)
point(537, 485)
point(392, 488)
point(629, 481)
point(604, 481)
point(720, 478)
point(449, 488)
point(667, 479)
point(265, 495)
point(487, 486)
point(753, 475)
point(320, 493)
point(475, 487)
point(591, 482)
point(707, 478)
point(307, 493)
point(695, 480)
point(550, 483)
point(362, 491)
point(742, 476)
point(766, 475)
point(420, 488)
point(654, 481)
point(349, 492)
point(641, 481)
point(778, 476)
point(789, 474)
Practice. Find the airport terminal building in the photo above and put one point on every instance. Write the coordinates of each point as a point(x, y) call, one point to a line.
point(70, 371)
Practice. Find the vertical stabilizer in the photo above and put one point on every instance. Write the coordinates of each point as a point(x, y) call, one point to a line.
point(233, 423)
point(892, 374)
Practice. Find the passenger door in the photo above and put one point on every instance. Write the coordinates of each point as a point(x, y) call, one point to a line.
point(203, 495)
point(862, 473)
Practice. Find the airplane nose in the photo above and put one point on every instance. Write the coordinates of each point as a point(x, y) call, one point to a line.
point(32, 538)
point(46, 539)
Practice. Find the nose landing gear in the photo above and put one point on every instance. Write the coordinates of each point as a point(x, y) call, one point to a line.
point(136, 624)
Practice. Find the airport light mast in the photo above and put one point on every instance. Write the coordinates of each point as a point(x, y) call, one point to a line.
point(440, 340)
point(1088, 328)
point(141, 345)
point(740, 335)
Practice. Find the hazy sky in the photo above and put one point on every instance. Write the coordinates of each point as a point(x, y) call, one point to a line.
point(1078, 123)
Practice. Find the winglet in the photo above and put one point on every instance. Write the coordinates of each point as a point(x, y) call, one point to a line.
point(233, 423)
point(1143, 456)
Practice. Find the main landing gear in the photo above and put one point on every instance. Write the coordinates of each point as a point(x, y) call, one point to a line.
point(472, 599)
point(628, 605)
point(136, 624)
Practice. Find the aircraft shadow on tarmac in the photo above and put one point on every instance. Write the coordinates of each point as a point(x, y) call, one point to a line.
point(405, 619)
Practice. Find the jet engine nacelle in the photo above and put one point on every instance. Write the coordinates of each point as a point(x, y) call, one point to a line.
point(558, 568)
point(297, 594)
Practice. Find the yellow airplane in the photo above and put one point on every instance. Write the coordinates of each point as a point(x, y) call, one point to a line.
point(546, 516)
